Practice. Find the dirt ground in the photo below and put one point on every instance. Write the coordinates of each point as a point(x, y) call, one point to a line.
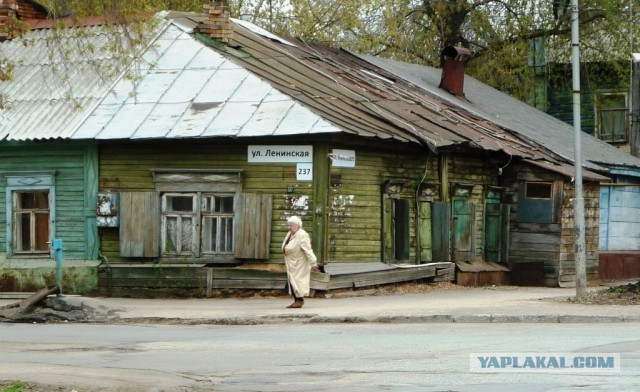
point(626, 294)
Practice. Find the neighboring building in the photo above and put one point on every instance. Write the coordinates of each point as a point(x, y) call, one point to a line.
point(194, 159)
point(608, 113)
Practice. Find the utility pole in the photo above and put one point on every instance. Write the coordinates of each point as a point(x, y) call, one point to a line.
point(635, 106)
point(578, 200)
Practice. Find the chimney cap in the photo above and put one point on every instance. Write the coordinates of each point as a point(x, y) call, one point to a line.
point(456, 53)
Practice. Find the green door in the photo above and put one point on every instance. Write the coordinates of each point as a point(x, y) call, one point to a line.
point(395, 230)
point(496, 226)
point(463, 219)
point(440, 231)
point(492, 225)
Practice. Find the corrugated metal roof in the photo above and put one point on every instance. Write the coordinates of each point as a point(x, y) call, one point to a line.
point(187, 86)
point(190, 90)
point(512, 114)
point(59, 77)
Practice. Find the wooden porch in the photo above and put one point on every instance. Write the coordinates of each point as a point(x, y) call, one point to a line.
point(140, 280)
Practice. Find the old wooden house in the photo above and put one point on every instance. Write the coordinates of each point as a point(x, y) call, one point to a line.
point(193, 159)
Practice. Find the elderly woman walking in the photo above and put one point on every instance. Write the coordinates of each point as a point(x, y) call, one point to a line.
point(299, 260)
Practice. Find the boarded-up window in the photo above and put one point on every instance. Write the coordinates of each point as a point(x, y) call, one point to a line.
point(538, 202)
point(139, 224)
point(253, 229)
point(200, 225)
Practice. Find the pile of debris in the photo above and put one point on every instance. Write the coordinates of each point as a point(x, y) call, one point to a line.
point(45, 307)
point(626, 294)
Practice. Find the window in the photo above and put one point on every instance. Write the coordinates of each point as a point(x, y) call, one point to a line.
point(31, 222)
point(30, 213)
point(537, 202)
point(217, 224)
point(189, 230)
point(538, 190)
point(612, 117)
point(195, 214)
point(179, 223)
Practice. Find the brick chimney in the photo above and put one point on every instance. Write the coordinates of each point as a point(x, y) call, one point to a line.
point(453, 60)
point(8, 19)
point(15, 16)
point(217, 24)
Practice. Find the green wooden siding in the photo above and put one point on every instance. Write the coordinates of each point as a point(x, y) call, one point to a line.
point(73, 214)
point(481, 171)
point(353, 207)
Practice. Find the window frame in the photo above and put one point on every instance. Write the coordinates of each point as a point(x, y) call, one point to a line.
point(25, 182)
point(201, 183)
point(599, 110)
point(547, 209)
point(218, 216)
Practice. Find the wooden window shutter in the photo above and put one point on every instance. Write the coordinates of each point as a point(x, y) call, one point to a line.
point(139, 224)
point(441, 230)
point(253, 226)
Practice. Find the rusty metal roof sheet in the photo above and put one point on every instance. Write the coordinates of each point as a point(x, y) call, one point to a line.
point(512, 114)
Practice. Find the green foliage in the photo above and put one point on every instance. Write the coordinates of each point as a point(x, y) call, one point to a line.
point(501, 33)
point(17, 386)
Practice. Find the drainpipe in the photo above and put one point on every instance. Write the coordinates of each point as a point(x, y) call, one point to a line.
point(56, 245)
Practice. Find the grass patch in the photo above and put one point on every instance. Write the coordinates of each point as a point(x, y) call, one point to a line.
point(17, 386)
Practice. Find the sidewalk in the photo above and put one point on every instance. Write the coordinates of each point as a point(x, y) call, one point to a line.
point(475, 305)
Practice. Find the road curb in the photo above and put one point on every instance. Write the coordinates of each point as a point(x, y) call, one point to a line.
point(309, 318)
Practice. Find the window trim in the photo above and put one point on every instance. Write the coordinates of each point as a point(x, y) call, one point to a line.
point(200, 182)
point(598, 109)
point(526, 189)
point(29, 181)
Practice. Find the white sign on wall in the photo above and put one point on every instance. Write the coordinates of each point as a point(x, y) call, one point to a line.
point(304, 172)
point(279, 154)
point(343, 158)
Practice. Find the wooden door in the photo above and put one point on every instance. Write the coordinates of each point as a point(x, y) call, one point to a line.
point(426, 254)
point(463, 215)
point(440, 231)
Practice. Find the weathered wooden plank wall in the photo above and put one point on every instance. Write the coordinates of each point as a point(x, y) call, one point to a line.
point(567, 269)
point(68, 162)
point(553, 243)
point(355, 204)
point(532, 242)
point(126, 167)
point(482, 172)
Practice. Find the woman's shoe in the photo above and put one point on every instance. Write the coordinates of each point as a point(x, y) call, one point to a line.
point(296, 304)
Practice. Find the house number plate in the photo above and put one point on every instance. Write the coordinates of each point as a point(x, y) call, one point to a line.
point(304, 172)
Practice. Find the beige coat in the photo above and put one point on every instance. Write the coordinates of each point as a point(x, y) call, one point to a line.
point(298, 258)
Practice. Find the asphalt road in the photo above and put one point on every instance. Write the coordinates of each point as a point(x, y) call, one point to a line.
point(327, 357)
